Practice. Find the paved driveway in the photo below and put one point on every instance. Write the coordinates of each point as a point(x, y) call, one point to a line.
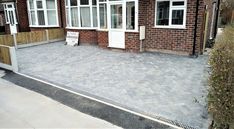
point(160, 85)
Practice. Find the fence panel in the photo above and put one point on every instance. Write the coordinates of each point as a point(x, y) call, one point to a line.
point(5, 55)
point(38, 36)
point(6, 40)
point(23, 38)
point(54, 34)
point(8, 58)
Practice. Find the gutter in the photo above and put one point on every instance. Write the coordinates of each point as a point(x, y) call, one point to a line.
point(217, 18)
point(61, 13)
point(194, 54)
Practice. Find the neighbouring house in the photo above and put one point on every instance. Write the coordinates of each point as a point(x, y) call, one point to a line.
point(15, 15)
point(172, 26)
point(2, 20)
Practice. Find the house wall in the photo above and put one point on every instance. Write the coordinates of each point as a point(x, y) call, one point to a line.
point(168, 40)
point(172, 40)
point(22, 17)
point(22, 14)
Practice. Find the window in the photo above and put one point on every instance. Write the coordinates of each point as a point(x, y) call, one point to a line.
point(81, 13)
point(103, 14)
point(130, 15)
point(43, 13)
point(9, 11)
point(170, 13)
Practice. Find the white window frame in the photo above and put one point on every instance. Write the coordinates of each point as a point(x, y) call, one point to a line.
point(90, 5)
point(45, 10)
point(107, 2)
point(171, 8)
point(7, 10)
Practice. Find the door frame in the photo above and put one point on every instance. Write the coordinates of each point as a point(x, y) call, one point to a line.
point(9, 18)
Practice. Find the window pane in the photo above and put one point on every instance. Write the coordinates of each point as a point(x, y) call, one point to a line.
point(103, 16)
point(116, 16)
point(52, 19)
point(50, 4)
point(73, 2)
point(102, 0)
point(177, 17)
point(39, 4)
point(85, 17)
point(41, 17)
point(130, 13)
point(94, 16)
point(33, 18)
point(94, 2)
point(74, 17)
point(11, 15)
point(178, 3)
point(31, 4)
point(7, 20)
point(84, 2)
point(67, 17)
point(9, 6)
point(163, 13)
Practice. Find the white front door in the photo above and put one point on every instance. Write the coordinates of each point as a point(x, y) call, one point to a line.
point(116, 24)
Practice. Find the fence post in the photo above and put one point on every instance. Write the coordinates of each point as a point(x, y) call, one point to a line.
point(15, 40)
point(14, 62)
point(47, 36)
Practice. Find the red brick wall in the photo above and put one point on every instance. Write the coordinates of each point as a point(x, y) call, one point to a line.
point(132, 42)
point(102, 39)
point(21, 9)
point(86, 36)
point(180, 40)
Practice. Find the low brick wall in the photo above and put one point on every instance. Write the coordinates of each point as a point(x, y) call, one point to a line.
point(86, 36)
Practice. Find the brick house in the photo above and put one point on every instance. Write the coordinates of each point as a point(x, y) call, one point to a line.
point(172, 26)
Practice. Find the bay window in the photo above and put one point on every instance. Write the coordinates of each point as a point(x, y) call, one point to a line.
point(43, 13)
point(81, 13)
point(170, 13)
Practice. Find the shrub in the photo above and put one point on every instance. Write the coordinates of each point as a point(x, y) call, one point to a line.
point(221, 81)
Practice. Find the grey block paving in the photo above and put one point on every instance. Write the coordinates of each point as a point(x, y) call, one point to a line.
point(159, 85)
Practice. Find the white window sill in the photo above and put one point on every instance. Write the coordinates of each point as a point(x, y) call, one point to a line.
point(133, 31)
point(34, 26)
point(9, 23)
point(102, 30)
point(82, 28)
point(170, 27)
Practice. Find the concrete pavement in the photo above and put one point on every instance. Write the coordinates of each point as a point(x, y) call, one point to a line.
point(21, 108)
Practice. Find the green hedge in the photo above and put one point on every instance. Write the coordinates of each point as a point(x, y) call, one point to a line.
point(221, 81)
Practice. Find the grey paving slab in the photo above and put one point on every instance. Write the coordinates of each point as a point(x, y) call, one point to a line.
point(169, 86)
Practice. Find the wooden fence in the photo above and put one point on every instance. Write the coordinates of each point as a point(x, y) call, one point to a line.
point(6, 40)
point(8, 43)
point(8, 58)
point(24, 39)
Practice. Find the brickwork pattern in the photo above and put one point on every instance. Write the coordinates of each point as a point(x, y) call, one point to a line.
point(86, 36)
point(22, 14)
point(173, 39)
point(102, 39)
